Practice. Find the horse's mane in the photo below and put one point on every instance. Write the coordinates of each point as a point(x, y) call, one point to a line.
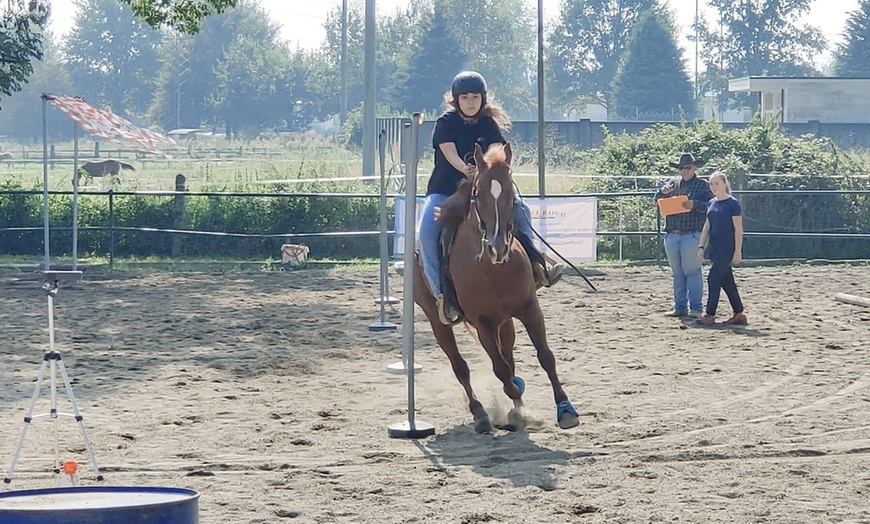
point(495, 154)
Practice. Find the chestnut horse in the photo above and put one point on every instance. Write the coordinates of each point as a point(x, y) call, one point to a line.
point(493, 279)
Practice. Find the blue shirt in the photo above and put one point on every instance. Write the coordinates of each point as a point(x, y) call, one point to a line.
point(720, 213)
point(451, 127)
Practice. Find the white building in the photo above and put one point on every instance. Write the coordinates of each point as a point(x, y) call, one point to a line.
point(828, 100)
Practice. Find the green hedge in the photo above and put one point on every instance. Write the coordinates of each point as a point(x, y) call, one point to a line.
point(221, 214)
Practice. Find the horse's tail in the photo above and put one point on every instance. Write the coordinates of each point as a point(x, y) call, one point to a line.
point(127, 166)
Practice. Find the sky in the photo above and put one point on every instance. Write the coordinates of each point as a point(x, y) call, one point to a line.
point(302, 20)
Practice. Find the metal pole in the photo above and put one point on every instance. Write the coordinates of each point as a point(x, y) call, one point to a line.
point(697, 87)
point(75, 204)
point(408, 156)
point(343, 61)
point(412, 428)
point(45, 261)
point(111, 230)
point(384, 299)
point(369, 102)
point(541, 161)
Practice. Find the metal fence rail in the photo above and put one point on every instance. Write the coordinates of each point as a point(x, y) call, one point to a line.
point(653, 232)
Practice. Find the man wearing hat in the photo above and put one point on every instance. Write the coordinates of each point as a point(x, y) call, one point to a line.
point(683, 235)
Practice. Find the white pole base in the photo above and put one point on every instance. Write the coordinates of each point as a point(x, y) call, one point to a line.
point(399, 369)
point(386, 300)
point(407, 430)
point(383, 326)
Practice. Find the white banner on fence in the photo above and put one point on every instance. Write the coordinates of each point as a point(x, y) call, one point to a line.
point(567, 224)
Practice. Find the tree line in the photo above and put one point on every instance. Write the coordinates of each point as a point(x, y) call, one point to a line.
point(222, 64)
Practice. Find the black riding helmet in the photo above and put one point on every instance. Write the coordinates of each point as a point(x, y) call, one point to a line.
point(468, 82)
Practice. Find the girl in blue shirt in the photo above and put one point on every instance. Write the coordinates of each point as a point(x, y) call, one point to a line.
point(470, 119)
point(723, 237)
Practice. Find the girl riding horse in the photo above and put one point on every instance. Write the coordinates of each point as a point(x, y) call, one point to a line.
point(494, 283)
point(470, 120)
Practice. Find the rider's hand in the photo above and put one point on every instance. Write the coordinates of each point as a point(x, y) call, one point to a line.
point(437, 213)
point(470, 170)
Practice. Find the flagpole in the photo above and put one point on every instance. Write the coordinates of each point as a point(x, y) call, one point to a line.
point(75, 205)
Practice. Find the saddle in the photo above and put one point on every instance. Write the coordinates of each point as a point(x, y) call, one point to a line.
point(448, 232)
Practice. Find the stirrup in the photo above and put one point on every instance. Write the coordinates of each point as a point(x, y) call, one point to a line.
point(447, 320)
point(554, 274)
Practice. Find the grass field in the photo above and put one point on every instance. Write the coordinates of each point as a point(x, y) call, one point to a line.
point(218, 164)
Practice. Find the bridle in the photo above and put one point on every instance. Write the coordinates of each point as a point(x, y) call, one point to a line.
point(485, 241)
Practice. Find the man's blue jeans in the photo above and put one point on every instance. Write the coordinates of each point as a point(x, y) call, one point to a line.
point(682, 251)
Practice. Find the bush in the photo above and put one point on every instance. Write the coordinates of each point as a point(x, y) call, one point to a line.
point(807, 162)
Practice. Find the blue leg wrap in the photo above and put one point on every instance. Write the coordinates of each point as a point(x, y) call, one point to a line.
point(565, 407)
point(520, 384)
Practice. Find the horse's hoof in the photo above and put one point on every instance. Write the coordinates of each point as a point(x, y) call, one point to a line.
point(567, 415)
point(482, 424)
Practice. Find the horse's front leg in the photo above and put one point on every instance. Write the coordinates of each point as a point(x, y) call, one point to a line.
point(507, 336)
point(533, 319)
point(490, 340)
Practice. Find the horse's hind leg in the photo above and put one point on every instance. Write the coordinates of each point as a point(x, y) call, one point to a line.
point(533, 320)
point(447, 341)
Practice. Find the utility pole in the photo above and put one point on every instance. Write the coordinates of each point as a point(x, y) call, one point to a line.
point(343, 106)
point(541, 159)
point(697, 87)
point(369, 124)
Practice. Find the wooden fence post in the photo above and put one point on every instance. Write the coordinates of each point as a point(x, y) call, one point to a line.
point(178, 223)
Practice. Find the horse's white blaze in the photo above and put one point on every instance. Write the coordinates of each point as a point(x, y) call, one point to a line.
point(495, 189)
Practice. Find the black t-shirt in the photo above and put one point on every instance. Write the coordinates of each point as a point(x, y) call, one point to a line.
point(451, 127)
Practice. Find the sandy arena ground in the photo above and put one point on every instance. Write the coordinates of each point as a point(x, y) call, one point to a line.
point(267, 393)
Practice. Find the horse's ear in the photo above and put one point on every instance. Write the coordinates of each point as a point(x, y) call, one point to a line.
point(508, 153)
point(478, 156)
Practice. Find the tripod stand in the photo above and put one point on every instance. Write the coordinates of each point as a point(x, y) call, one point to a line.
point(53, 362)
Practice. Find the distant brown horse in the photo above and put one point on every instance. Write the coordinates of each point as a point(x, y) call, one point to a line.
point(494, 284)
point(108, 166)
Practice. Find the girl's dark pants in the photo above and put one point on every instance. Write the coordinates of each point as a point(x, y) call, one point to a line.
point(722, 277)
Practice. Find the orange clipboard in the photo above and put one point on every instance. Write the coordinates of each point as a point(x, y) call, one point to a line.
point(673, 205)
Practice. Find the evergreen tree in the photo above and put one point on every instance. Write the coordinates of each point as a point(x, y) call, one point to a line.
point(585, 47)
point(652, 78)
point(853, 56)
point(436, 57)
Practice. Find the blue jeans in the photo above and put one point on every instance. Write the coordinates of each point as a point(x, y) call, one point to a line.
point(682, 251)
point(429, 231)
